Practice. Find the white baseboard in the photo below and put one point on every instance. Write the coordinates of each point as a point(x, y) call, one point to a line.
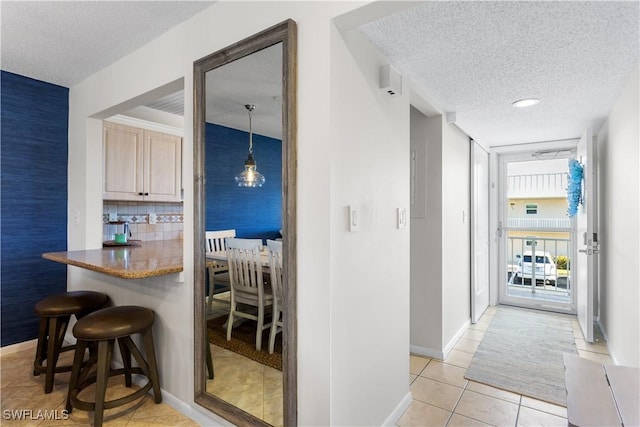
point(18, 347)
point(395, 415)
point(427, 352)
point(452, 342)
point(441, 354)
point(606, 339)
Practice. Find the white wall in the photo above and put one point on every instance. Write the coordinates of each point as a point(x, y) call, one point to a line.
point(426, 238)
point(440, 242)
point(337, 351)
point(456, 233)
point(619, 199)
point(369, 145)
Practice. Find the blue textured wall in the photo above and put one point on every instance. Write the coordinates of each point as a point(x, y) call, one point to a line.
point(252, 212)
point(34, 199)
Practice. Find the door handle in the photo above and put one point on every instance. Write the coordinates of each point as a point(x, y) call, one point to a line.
point(582, 251)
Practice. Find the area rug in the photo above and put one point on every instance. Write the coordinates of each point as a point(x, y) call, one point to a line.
point(243, 341)
point(522, 352)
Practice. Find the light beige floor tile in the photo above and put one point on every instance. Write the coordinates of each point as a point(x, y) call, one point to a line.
point(493, 392)
point(587, 346)
point(550, 408)
point(487, 409)
point(597, 357)
point(459, 358)
point(412, 377)
point(273, 410)
point(532, 418)
point(417, 364)
point(149, 409)
point(435, 393)
point(458, 420)
point(422, 414)
point(491, 309)
point(473, 335)
point(480, 326)
point(450, 374)
point(466, 345)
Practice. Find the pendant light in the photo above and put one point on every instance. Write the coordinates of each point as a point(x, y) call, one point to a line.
point(250, 177)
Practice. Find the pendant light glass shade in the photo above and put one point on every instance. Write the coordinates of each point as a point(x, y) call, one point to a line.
point(250, 177)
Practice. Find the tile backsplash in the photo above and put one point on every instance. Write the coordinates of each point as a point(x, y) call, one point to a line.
point(147, 221)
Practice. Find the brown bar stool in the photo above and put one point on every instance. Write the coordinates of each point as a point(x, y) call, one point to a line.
point(103, 328)
point(55, 312)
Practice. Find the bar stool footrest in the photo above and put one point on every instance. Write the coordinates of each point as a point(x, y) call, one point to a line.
point(108, 404)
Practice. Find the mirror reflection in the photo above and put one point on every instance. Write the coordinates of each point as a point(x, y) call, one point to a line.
point(243, 199)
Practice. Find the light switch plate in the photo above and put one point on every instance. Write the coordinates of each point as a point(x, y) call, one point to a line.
point(402, 218)
point(354, 220)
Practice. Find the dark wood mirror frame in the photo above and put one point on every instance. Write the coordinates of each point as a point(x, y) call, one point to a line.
point(285, 33)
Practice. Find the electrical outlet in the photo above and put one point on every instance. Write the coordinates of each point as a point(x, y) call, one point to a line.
point(113, 216)
point(76, 217)
point(153, 218)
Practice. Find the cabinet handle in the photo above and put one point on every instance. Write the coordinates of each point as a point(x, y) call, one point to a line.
point(140, 194)
point(146, 194)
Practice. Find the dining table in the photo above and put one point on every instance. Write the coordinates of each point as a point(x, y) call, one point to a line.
point(221, 256)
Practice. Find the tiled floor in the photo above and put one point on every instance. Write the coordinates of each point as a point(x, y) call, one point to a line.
point(247, 384)
point(24, 393)
point(443, 397)
point(441, 394)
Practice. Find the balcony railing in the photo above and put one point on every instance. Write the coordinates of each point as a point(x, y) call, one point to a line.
point(522, 272)
point(539, 223)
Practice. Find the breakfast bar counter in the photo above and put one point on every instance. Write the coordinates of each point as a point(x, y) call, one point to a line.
point(151, 258)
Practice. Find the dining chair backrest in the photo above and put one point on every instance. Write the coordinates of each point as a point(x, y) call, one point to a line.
point(245, 266)
point(275, 264)
point(215, 240)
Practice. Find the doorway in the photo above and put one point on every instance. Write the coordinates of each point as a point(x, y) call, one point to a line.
point(536, 241)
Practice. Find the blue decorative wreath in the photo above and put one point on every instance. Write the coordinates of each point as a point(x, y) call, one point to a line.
point(574, 190)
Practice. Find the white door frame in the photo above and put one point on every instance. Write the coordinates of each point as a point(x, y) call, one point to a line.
point(480, 234)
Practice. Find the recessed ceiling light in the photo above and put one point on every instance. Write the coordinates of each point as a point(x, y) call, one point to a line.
point(527, 102)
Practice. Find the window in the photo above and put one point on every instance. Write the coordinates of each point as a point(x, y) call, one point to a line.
point(531, 209)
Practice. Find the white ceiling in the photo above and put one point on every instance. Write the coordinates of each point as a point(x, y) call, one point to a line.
point(476, 58)
point(64, 42)
point(471, 58)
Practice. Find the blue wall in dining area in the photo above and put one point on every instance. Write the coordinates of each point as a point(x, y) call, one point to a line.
point(33, 172)
point(252, 212)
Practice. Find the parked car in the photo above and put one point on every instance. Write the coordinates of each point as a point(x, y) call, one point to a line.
point(545, 267)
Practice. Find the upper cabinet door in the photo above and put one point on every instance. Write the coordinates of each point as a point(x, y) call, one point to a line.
point(163, 164)
point(123, 163)
point(141, 165)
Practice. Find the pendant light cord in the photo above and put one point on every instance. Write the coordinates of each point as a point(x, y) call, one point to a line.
point(250, 109)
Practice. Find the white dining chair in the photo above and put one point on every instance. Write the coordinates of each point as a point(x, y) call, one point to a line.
point(275, 265)
point(218, 272)
point(247, 284)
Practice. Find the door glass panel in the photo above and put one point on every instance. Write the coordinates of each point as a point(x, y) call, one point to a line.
point(538, 243)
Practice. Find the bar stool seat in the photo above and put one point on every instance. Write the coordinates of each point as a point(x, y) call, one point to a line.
point(55, 312)
point(103, 328)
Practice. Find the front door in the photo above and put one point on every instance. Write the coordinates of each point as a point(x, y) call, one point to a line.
point(536, 236)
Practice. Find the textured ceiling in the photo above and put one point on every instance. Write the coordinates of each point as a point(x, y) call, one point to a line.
point(255, 79)
point(476, 58)
point(63, 42)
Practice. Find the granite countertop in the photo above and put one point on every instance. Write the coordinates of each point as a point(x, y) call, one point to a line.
point(152, 258)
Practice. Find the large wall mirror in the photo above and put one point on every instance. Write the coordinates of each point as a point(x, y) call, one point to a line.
point(245, 103)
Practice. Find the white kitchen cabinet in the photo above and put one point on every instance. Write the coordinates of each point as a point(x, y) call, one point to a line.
point(141, 164)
